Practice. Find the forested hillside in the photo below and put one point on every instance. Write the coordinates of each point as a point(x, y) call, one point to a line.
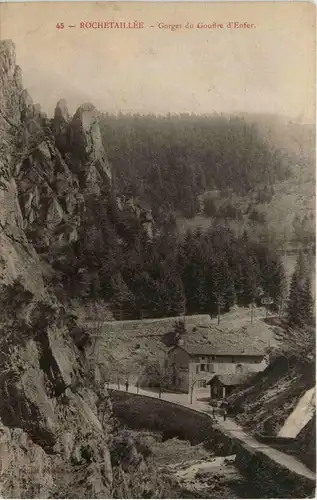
point(251, 172)
point(170, 160)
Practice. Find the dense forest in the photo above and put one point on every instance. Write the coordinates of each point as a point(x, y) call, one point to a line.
point(114, 259)
point(169, 160)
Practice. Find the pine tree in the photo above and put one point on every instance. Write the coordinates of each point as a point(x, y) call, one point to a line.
point(123, 300)
point(300, 304)
point(175, 297)
point(221, 287)
point(293, 301)
point(307, 304)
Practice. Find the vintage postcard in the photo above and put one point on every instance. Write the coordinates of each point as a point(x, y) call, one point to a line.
point(157, 249)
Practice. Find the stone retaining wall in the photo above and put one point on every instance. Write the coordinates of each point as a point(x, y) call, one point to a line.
point(172, 420)
point(269, 480)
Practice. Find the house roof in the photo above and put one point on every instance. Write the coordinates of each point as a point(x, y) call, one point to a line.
point(206, 340)
point(223, 349)
point(231, 379)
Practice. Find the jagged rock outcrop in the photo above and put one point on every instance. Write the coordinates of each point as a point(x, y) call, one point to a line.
point(88, 158)
point(132, 205)
point(48, 169)
point(59, 125)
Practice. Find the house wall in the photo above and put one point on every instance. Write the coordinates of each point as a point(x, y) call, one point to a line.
point(223, 365)
point(228, 364)
point(195, 371)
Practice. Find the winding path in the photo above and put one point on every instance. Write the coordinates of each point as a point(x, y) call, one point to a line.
point(230, 428)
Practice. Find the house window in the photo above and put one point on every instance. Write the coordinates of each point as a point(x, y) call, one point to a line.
point(197, 369)
point(202, 383)
point(232, 360)
point(202, 367)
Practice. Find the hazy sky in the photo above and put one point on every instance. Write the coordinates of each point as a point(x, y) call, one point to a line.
point(270, 68)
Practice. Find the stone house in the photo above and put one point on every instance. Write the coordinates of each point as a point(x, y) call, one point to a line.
point(192, 366)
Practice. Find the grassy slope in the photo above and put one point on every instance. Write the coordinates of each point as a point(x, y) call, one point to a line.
point(125, 345)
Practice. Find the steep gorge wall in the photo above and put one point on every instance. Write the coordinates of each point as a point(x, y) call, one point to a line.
point(55, 416)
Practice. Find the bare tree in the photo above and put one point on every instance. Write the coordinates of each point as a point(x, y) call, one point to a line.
point(157, 373)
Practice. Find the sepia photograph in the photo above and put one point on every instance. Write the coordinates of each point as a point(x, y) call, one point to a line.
point(157, 250)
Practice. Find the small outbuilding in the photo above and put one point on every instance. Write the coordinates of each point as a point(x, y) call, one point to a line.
point(221, 386)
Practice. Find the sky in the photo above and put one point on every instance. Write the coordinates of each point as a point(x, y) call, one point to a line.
point(269, 68)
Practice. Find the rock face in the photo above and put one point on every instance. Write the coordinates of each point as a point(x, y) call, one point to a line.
point(88, 159)
point(49, 167)
point(55, 415)
point(18, 257)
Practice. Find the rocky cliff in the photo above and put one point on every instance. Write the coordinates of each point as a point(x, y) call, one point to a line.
point(55, 416)
point(56, 423)
point(47, 169)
